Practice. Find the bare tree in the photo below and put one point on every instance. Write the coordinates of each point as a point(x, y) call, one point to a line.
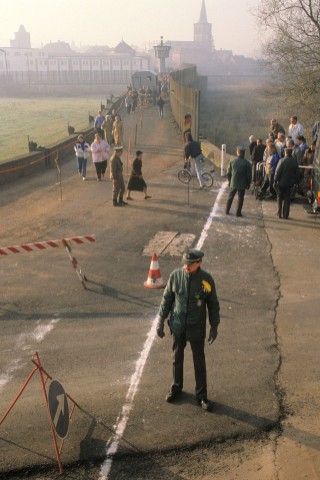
point(292, 49)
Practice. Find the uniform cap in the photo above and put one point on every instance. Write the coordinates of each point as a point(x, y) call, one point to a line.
point(139, 152)
point(191, 255)
point(240, 148)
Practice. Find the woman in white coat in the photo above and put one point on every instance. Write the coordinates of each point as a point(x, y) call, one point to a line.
point(100, 154)
point(82, 150)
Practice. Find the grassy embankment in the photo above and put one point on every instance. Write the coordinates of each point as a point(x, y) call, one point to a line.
point(45, 120)
point(230, 114)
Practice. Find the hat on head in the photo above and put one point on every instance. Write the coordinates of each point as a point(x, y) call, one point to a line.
point(139, 152)
point(240, 148)
point(191, 255)
point(118, 149)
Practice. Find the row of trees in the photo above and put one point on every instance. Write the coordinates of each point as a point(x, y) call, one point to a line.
point(292, 50)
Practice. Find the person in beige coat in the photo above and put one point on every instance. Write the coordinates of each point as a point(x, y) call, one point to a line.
point(107, 128)
point(118, 131)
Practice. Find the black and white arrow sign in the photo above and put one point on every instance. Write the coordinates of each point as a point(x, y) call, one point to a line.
point(59, 408)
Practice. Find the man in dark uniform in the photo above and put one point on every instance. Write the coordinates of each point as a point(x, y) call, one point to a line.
point(116, 175)
point(286, 175)
point(189, 294)
point(239, 175)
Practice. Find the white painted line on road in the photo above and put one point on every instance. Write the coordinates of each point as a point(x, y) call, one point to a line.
point(121, 423)
point(122, 420)
point(213, 214)
point(24, 344)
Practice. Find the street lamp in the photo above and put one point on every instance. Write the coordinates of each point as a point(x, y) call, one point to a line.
point(6, 63)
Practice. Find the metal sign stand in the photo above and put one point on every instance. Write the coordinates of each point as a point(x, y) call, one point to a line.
point(44, 376)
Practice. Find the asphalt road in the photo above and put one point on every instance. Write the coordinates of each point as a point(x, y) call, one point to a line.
point(100, 342)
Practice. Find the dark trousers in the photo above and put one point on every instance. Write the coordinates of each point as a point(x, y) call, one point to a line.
point(232, 193)
point(283, 197)
point(101, 168)
point(199, 363)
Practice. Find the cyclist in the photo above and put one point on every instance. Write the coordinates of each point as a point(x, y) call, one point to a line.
point(192, 150)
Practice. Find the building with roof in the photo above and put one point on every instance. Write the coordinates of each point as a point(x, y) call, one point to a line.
point(58, 64)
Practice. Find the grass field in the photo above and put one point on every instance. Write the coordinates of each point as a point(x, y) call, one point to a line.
point(231, 113)
point(45, 120)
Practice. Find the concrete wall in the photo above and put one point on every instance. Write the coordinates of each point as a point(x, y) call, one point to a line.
point(186, 86)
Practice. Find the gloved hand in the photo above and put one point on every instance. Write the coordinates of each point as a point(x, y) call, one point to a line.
point(212, 335)
point(160, 328)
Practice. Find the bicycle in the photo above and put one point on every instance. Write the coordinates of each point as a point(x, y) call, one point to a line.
point(187, 173)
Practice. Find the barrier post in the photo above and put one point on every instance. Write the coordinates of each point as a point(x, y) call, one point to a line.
point(56, 161)
point(223, 160)
point(83, 279)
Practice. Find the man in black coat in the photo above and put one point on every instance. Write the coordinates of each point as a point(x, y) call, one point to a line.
point(239, 177)
point(286, 176)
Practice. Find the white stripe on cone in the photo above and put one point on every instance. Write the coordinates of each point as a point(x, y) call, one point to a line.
point(154, 279)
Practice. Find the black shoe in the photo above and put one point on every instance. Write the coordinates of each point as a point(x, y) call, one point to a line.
point(227, 212)
point(172, 396)
point(205, 405)
point(239, 215)
point(121, 202)
point(116, 204)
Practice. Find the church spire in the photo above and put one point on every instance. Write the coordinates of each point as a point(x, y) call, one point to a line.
point(203, 13)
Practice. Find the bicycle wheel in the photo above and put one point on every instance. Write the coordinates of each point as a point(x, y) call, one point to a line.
point(184, 176)
point(207, 180)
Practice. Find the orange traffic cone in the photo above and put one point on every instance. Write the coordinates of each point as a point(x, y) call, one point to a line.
point(154, 279)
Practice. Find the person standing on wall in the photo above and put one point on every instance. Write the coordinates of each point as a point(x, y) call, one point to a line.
point(239, 176)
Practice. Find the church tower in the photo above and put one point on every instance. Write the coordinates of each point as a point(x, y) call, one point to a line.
point(203, 30)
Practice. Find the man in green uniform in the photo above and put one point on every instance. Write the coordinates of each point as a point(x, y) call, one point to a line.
point(116, 175)
point(239, 176)
point(189, 294)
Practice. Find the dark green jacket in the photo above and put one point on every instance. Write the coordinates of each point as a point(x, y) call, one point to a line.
point(190, 296)
point(239, 173)
point(287, 172)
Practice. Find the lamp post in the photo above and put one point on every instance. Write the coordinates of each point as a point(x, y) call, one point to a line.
point(6, 63)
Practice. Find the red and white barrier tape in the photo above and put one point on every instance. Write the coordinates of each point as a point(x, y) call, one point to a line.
point(30, 247)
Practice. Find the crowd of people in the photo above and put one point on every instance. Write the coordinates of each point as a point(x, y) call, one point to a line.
point(282, 147)
point(109, 131)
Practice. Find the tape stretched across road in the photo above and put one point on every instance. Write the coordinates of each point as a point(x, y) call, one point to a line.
point(30, 247)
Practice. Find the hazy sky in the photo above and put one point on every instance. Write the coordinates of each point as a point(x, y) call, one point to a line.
point(137, 22)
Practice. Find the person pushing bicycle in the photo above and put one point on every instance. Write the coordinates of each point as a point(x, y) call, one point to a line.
point(192, 150)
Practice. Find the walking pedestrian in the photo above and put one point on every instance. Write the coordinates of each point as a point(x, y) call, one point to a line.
point(189, 295)
point(107, 128)
point(160, 104)
point(82, 150)
point(116, 175)
point(286, 176)
point(136, 181)
point(239, 175)
point(98, 121)
point(100, 155)
point(118, 131)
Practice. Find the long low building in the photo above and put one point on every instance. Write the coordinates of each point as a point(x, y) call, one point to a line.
point(58, 63)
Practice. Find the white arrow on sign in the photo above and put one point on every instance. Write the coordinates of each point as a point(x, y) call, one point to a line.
point(60, 409)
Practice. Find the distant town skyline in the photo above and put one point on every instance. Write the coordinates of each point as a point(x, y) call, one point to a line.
point(138, 23)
